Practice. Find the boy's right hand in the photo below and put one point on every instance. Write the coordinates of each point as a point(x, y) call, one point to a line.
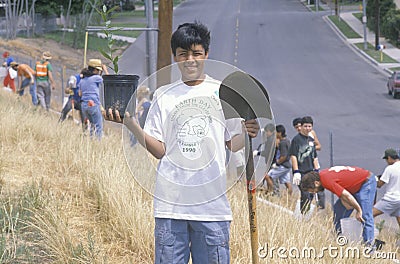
point(111, 115)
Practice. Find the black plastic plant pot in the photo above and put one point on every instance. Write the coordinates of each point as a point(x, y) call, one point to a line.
point(118, 90)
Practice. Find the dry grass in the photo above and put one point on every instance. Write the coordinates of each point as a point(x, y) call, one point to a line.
point(68, 199)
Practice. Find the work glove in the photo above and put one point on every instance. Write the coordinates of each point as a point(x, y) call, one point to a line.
point(256, 153)
point(296, 178)
point(274, 166)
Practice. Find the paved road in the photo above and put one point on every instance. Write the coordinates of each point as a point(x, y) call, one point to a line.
point(307, 69)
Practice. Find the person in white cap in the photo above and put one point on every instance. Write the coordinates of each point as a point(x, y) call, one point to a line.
point(44, 80)
point(90, 96)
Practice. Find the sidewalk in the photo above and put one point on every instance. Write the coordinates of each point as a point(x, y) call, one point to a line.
point(357, 26)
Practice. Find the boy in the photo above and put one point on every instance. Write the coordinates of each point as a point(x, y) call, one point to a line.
point(303, 156)
point(280, 170)
point(356, 189)
point(192, 213)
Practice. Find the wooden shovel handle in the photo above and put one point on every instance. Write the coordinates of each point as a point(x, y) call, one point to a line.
point(251, 198)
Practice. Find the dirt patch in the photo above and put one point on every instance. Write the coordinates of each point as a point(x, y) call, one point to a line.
point(32, 49)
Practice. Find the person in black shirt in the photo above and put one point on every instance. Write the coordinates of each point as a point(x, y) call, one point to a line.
point(303, 156)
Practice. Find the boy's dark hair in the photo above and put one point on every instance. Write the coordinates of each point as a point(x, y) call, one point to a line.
point(307, 120)
point(308, 180)
point(189, 34)
point(269, 127)
point(281, 129)
point(296, 121)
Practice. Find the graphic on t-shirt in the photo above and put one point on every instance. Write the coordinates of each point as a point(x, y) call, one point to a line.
point(304, 152)
point(193, 146)
point(193, 126)
point(341, 168)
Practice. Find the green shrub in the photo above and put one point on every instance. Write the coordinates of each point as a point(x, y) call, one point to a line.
point(391, 26)
point(385, 6)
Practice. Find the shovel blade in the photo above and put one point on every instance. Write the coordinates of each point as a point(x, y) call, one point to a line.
point(244, 96)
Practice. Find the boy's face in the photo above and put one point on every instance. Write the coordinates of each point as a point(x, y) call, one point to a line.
point(297, 127)
point(317, 187)
point(191, 64)
point(306, 128)
point(269, 133)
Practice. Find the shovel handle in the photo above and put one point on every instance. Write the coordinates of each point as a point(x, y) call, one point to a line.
point(251, 198)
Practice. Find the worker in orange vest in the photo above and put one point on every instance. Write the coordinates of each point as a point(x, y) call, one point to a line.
point(44, 80)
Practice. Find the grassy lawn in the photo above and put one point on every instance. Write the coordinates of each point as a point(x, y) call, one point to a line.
point(344, 27)
point(358, 16)
point(95, 42)
point(135, 13)
point(395, 69)
point(141, 13)
point(376, 54)
point(126, 33)
point(313, 8)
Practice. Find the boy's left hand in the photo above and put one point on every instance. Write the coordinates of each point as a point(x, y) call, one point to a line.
point(252, 127)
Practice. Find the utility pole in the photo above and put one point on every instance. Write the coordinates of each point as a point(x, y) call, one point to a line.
point(150, 43)
point(377, 21)
point(336, 8)
point(364, 21)
point(165, 13)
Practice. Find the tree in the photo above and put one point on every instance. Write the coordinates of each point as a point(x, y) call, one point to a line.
point(13, 11)
point(391, 25)
point(83, 20)
point(383, 6)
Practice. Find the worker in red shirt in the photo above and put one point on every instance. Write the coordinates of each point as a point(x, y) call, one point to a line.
point(356, 189)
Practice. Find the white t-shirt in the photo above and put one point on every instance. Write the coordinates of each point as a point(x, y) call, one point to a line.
point(191, 176)
point(391, 178)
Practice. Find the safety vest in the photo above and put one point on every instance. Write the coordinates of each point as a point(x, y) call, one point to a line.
point(41, 69)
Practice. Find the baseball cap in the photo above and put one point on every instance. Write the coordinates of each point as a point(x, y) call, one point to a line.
point(390, 153)
point(95, 63)
point(46, 55)
point(13, 63)
point(6, 54)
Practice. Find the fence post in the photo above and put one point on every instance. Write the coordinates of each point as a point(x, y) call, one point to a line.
point(62, 85)
point(331, 161)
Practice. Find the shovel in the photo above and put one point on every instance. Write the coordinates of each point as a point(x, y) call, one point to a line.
point(242, 96)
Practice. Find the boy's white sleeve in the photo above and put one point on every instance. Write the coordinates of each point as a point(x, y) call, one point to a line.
point(153, 125)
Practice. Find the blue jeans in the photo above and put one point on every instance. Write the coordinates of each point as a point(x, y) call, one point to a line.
point(207, 242)
point(32, 90)
point(93, 114)
point(365, 198)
